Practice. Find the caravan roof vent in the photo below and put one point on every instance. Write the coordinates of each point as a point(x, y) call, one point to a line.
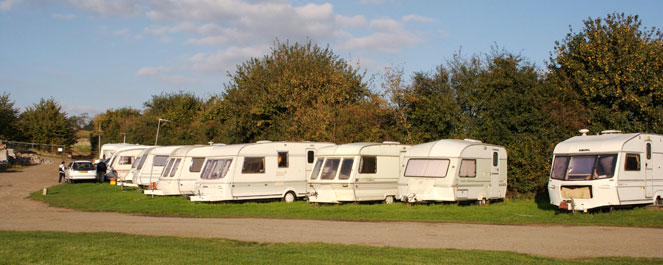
point(584, 132)
point(472, 140)
point(611, 132)
point(390, 142)
point(263, 141)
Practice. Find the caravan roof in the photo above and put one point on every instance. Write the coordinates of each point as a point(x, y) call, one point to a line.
point(594, 143)
point(443, 148)
point(354, 149)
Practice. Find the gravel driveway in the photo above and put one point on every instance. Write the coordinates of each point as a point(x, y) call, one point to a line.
point(21, 214)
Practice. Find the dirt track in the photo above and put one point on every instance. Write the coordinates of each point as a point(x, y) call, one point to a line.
point(23, 214)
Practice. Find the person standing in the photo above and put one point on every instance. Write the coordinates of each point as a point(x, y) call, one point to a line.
point(101, 171)
point(61, 170)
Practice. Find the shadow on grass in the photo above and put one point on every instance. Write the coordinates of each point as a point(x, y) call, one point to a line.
point(542, 200)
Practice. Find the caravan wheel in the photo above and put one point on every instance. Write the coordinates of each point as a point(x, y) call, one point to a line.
point(658, 201)
point(389, 200)
point(289, 197)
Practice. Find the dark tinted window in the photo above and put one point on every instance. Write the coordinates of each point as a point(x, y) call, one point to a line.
point(368, 165)
point(254, 165)
point(196, 164)
point(648, 150)
point(283, 159)
point(346, 169)
point(495, 159)
point(632, 162)
point(310, 156)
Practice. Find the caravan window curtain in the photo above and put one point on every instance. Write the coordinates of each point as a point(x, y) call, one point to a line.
point(468, 168)
point(427, 168)
point(159, 161)
point(196, 164)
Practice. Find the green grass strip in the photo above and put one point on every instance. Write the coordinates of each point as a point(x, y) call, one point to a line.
point(106, 198)
point(111, 248)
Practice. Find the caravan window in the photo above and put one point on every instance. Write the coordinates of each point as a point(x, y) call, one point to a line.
point(559, 167)
point(159, 161)
point(584, 167)
point(136, 162)
point(632, 162)
point(216, 168)
point(495, 159)
point(346, 168)
point(605, 167)
point(316, 169)
point(283, 159)
point(468, 168)
point(310, 156)
point(253, 165)
point(648, 150)
point(330, 168)
point(166, 170)
point(176, 165)
point(196, 164)
point(126, 160)
point(142, 162)
point(580, 167)
point(368, 165)
point(436, 168)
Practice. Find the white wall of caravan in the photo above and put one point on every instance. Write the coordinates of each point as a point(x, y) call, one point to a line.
point(379, 182)
point(487, 178)
point(636, 186)
point(273, 182)
point(175, 177)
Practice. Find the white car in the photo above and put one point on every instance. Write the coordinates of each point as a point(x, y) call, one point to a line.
point(80, 170)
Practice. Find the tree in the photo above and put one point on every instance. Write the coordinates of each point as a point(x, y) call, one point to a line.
point(298, 92)
point(9, 126)
point(46, 123)
point(424, 111)
point(183, 110)
point(614, 68)
point(113, 123)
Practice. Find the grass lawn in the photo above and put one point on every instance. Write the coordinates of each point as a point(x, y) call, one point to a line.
point(111, 248)
point(103, 197)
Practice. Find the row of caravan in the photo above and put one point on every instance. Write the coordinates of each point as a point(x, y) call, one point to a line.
point(588, 171)
point(444, 170)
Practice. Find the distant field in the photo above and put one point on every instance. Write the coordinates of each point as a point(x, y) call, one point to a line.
point(112, 248)
point(103, 197)
point(82, 145)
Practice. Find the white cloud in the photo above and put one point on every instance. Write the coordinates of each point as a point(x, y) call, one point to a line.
point(7, 5)
point(150, 71)
point(225, 60)
point(121, 32)
point(108, 8)
point(63, 16)
point(417, 18)
point(80, 109)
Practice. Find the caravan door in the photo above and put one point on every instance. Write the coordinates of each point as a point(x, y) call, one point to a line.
point(649, 170)
point(495, 175)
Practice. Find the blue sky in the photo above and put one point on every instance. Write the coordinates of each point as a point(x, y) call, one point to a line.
point(93, 55)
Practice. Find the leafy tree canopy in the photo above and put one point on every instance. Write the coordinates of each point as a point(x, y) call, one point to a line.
point(47, 123)
point(9, 127)
point(614, 67)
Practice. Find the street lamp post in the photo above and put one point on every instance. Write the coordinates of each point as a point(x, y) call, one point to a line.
point(159, 127)
point(124, 141)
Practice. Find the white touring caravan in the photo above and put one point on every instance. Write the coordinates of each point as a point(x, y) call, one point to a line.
point(107, 150)
point(151, 163)
point(122, 160)
point(262, 170)
point(454, 170)
point(140, 159)
point(182, 170)
point(610, 169)
point(356, 172)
